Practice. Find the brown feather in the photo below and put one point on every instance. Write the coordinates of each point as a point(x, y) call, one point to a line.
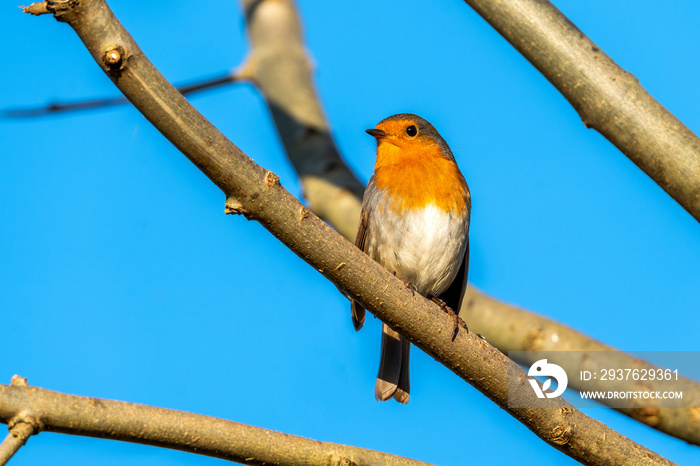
point(454, 295)
point(358, 312)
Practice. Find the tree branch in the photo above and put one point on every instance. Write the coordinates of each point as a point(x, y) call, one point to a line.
point(16, 438)
point(60, 107)
point(21, 425)
point(279, 67)
point(179, 430)
point(256, 193)
point(511, 328)
point(608, 98)
point(507, 327)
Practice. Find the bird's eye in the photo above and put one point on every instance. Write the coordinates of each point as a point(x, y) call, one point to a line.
point(412, 130)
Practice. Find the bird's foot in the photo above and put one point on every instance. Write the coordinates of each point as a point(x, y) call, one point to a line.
point(409, 285)
point(447, 309)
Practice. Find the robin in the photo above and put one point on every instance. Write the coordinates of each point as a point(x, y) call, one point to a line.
point(415, 222)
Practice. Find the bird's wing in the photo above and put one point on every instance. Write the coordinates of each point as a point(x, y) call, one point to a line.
point(455, 293)
point(358, 312)
point(361, 237)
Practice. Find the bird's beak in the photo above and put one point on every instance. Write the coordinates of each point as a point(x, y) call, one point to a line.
point(376, 133)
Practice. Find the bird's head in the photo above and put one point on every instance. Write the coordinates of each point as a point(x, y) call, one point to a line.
point(405, 135)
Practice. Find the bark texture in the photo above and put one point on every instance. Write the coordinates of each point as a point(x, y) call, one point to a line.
point(180, 430)
point(608, 98)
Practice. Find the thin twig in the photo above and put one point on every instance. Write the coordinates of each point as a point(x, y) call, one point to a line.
point(16, 438)
point(36, 9)
point(62, 107)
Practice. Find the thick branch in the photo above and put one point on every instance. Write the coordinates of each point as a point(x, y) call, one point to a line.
point(507, 327)
point(180, 430)
point(608, 98)
point(279, 67)
point(257, 193)
point(510, 328)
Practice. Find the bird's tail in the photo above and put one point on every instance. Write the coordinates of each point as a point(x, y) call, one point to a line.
point(358, 315)
point(393, 379)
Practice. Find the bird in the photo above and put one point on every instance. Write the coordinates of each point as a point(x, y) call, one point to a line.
point(415, 222)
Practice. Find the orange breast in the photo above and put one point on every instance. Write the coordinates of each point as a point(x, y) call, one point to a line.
point(419, 176)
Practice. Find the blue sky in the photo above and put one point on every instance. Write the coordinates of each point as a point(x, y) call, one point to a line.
point(121, 277)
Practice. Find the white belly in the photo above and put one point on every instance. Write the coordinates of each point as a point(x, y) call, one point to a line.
point(425, 247)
